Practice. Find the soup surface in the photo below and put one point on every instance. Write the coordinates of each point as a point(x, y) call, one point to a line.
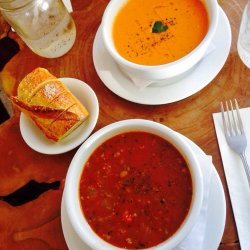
point(155, 32)
point(135, 190)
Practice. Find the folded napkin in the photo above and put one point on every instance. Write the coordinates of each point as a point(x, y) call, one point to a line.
point(236, 178)
point(138, 82)
point(142, 83)
point(196, 237)
point(68, 5)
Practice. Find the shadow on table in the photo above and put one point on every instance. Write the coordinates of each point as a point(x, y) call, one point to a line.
point(8, 48)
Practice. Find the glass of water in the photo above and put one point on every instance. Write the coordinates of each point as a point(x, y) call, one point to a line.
point(243, 44)
point(44, 25)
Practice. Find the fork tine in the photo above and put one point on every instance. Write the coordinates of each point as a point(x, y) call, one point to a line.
point(230, 130)
point(236, 131)
point(224, 119)
point(239, 117)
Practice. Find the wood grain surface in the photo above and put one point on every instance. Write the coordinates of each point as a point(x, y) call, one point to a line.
point(192, 116)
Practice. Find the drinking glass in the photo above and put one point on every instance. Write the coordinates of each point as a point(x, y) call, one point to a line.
point(243, 44)
point(44, 25)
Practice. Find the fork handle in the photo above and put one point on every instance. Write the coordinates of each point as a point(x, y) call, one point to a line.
point(246, 166)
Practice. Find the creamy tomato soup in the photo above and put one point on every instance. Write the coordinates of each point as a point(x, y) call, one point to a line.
point(135, 190)
point(154, 32)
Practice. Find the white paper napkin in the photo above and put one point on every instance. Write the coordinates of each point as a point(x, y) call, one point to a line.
point(196, 237)
point(236, 178)
point(68, 5)
point(141, 83)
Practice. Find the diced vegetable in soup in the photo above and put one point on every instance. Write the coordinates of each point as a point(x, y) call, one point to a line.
point(135, 190)
point(153, 32)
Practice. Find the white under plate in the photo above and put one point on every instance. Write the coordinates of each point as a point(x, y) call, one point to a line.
point(216, 214)
point(194, 81)
point(34, 137)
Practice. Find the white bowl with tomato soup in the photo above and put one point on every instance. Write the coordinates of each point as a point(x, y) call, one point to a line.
point(134, 184)
point(158, 39)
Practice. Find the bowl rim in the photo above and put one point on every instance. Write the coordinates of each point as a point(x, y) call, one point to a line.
point(72, 203)
point(213, 21)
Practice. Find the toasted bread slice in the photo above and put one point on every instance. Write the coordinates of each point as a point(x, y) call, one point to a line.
point(46, 92)
point(31, 82)
point(68, 121)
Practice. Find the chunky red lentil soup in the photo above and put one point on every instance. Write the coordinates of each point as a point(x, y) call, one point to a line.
point(135, 190)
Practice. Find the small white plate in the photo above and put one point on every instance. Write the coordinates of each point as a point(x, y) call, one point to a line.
point(216, 214)
point(35, 138)
point(163, 93)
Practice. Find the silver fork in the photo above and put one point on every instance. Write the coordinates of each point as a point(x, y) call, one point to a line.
point(234, 132)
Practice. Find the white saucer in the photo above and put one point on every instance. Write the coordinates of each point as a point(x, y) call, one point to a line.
point(34, 137)
point(216, 214)
point(193, 82)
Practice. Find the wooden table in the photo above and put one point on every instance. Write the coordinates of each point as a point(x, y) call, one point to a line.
point(36, 224)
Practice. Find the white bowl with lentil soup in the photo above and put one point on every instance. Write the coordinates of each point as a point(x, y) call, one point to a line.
point(134, 184)
point(158, 39)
